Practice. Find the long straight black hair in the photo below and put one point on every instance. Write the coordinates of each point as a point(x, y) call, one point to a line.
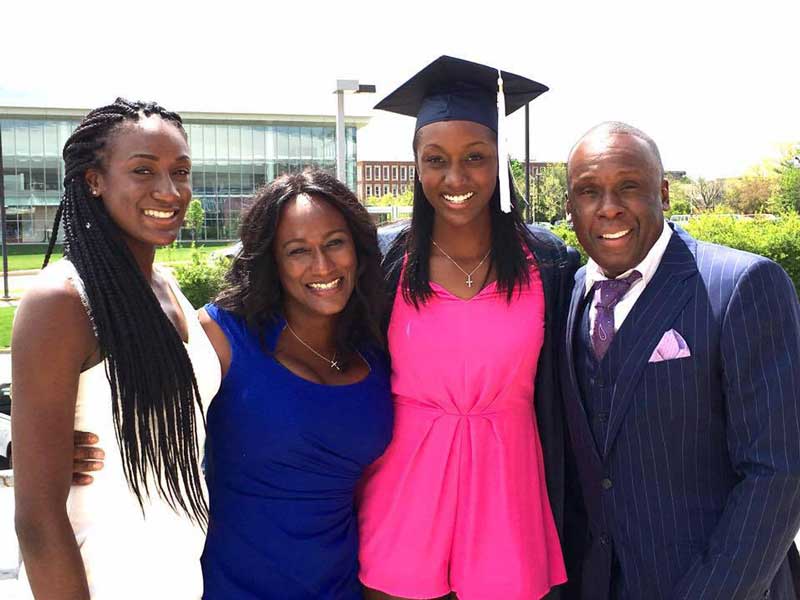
point(153, 388)
point(508, 255)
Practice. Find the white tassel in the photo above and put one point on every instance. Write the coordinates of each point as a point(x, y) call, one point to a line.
point(502, 153)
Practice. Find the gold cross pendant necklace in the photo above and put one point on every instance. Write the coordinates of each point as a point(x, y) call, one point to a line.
point(469, 281)
point(332, 362)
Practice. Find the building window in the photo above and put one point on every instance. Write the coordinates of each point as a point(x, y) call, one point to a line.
point(394, 189)
point(403, 173)
point(385, 173)
point(368, 172)
point(394, 172)
point(368, 190)
point(411, 173)
point(385, 187)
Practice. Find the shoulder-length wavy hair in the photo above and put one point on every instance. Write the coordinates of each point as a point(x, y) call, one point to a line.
point(254, 290)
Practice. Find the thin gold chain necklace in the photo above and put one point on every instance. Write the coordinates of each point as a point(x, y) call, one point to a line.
point(332, 362)
point(469, 281)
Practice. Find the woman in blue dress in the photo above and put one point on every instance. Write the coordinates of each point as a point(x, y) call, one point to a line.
point(304, 404)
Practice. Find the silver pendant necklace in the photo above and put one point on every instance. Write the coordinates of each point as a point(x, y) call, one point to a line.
point(469, 281)
point(332, 362)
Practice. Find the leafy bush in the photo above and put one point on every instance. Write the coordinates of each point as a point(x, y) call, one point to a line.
point(406, 198)
point(778, 240)
point(202, 277)
point(566, 233)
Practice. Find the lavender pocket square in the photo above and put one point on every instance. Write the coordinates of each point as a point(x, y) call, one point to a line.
point(671, 346)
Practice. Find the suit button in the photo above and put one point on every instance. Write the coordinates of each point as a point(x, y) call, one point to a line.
point(606, 483)
point(604, 540)
point(601, 418)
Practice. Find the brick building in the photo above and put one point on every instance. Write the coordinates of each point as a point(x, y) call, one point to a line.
point(380, 177)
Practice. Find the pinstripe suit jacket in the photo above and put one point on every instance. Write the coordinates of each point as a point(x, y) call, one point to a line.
point(696, 486)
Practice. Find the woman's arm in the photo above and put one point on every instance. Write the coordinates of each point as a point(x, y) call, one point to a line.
point(218, 339)
point(87, 457)
point(51, 340)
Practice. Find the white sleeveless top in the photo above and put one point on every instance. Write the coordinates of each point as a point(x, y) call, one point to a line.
point(127, 554)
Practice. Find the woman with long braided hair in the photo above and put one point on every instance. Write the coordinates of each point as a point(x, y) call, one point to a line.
point(105, 342)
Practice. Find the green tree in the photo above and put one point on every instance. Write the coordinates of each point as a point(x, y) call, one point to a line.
point(707, 193)
point(751, 193)
point(680, 202)
point(550, 192)
point(548, 189)
point(518, 173)
point(404, 199)
point(195, 217)
point(518, 177)
point(787, 193)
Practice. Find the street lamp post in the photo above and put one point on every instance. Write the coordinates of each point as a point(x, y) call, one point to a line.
point(342, 86)
point(529, 211)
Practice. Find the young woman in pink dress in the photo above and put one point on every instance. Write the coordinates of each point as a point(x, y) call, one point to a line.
point(458, 504)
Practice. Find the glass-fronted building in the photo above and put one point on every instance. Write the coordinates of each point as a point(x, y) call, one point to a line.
point(232, 155)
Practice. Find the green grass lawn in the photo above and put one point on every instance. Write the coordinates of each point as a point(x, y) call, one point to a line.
point(170, 255)
point(6, 318)
point(22, 262)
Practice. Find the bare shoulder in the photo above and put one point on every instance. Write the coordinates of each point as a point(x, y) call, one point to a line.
point(52, 311)
point(54, 291)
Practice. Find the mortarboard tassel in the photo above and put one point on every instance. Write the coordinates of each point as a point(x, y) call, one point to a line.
point(502, 153)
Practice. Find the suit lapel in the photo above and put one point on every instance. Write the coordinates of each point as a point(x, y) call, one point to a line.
point(656, 309)
point(573, 319)
point(575, 409)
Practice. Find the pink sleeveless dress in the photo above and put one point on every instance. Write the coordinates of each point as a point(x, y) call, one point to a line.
point(458, 501)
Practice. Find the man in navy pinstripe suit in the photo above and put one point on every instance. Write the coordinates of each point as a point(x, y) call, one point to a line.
point(682, 383)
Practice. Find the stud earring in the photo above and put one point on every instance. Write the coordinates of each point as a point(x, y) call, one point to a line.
point(94, 192)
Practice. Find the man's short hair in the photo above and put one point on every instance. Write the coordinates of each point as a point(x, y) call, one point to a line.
point(618, 127)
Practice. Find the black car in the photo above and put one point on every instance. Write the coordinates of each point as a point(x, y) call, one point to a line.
point(5, 398)
point(5, 426)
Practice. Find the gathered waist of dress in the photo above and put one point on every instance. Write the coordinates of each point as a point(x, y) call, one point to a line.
point(500, 408)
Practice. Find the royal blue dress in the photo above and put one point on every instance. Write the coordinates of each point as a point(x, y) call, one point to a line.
point(283, 457)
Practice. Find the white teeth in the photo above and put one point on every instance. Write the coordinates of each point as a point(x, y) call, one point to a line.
point(325, 286)
point(614, 236)
point(159, 214)
point(459, 199)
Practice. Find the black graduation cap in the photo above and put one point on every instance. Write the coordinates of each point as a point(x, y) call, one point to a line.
point(452, 89)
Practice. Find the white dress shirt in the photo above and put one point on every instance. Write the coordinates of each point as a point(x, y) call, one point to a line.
point(647, 268)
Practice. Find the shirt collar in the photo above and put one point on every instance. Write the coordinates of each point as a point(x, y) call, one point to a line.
point(647, 267)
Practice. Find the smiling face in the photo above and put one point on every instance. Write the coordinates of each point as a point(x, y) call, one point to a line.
point(145, 181)
point(616, 198)
point(457, 167)
point(316, 258)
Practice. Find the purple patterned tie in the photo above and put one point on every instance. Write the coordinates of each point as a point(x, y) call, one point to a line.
point(611, 292)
